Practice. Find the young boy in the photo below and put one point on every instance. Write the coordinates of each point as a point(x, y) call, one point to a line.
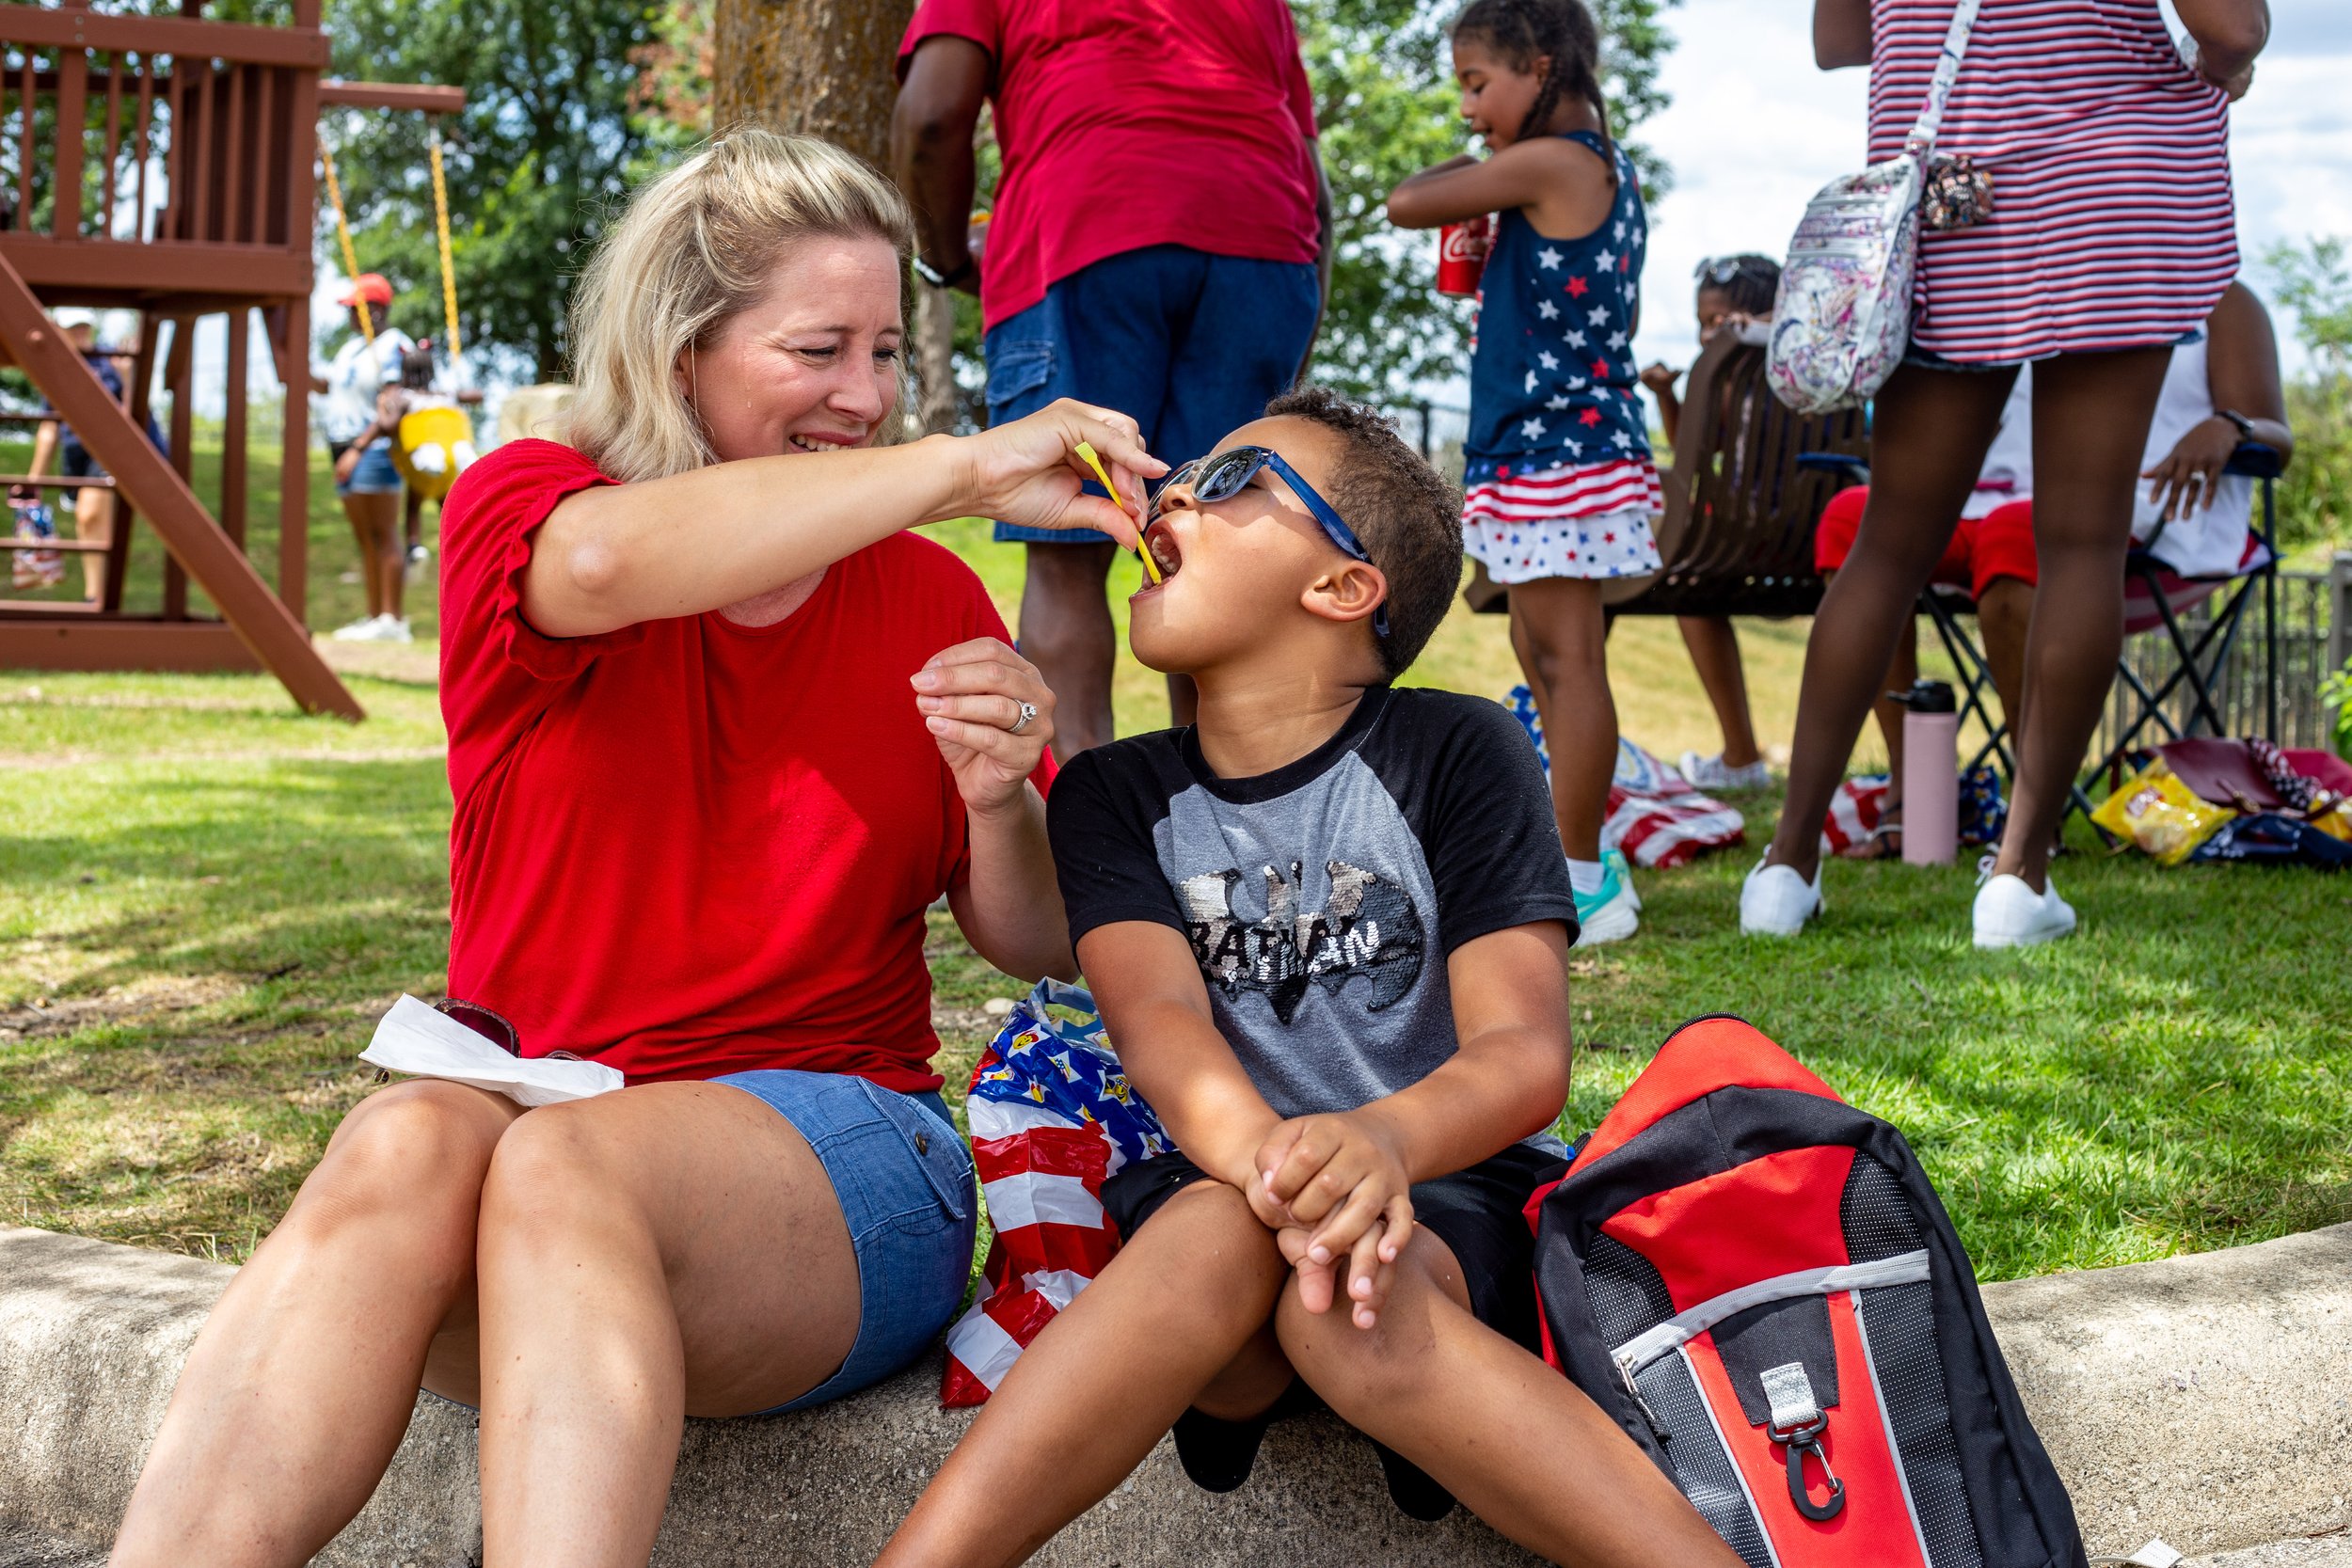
point(1329, 929)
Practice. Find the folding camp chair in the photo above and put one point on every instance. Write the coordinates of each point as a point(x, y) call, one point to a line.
point(2155, 596)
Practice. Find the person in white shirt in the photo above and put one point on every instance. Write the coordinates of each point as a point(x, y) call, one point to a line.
point(370, 489)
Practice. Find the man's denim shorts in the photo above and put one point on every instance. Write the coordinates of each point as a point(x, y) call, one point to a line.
point(1187, 344)
point(905, 1182)
point(375, 475)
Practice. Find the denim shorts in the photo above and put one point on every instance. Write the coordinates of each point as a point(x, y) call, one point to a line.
point(375, 475)
point(905, 1183)
point(1187, 344)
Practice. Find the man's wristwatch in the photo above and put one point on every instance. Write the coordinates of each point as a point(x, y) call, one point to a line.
point(939, 279)
point(2245, 425)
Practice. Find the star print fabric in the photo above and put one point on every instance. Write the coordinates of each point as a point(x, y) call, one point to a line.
point(1552, 377)
point(1524, 549)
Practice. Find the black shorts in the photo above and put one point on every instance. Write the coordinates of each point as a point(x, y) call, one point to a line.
point(1478, 1214)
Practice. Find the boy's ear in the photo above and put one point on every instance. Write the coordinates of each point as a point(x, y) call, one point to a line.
point(1352, 593)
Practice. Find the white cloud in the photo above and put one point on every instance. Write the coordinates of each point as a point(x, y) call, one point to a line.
point(1754, 129)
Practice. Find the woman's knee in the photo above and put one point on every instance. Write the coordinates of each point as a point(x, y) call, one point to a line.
point(542, 1168)
point(417, 1151)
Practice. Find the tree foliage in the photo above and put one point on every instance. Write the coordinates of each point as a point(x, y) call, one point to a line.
point(569, 99)
point(2314, 283)
point(556, 123)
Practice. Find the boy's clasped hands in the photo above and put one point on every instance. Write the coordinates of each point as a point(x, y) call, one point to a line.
point(1335, 1191)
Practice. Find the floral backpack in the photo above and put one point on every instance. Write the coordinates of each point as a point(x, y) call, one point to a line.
point(1843, 316)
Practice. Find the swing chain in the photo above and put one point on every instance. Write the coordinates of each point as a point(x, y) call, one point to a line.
point(342, 232)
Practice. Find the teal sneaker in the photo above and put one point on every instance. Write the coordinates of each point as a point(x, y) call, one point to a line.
point(1609, 915)
point(1613, 858)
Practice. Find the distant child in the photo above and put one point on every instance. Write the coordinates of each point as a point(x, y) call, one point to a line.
point(1734, 297)
point(1561, 488)
point(1328, 927)
point(411, 393)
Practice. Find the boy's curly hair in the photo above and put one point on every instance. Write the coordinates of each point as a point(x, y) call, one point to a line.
point(1408, 516)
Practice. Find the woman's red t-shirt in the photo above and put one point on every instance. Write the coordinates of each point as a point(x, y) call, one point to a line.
point(689, 847)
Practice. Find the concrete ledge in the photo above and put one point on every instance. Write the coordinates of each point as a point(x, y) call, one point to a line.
point(2207, 1399)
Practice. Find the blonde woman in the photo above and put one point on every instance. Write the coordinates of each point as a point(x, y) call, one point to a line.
point(719, 730)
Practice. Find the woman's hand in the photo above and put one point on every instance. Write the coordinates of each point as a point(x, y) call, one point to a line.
point(2191, 471)
point(972, 696)
point(347, 465)
point(1029, 472)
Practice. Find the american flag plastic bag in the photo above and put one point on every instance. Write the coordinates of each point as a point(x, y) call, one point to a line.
point(1052, 1117)
point(1656, 815)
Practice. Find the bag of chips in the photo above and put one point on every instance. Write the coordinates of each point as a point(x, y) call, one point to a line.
point(1052, 1117)
point(2166, 818)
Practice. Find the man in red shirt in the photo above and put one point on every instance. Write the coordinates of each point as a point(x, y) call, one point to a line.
point(1159, 244)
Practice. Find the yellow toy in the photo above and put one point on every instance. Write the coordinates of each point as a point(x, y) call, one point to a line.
point(431, 447)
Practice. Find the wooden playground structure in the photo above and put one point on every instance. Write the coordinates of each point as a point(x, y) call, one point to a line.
point(167, 164)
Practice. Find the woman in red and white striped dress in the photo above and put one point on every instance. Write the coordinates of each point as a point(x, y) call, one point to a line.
point(2113, 233)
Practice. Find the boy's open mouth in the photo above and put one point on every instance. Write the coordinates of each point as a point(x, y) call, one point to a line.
point(1166, 554)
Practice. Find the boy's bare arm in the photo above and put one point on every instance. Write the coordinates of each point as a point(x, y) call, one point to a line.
point(1152, 1001)
point(1341, 1174)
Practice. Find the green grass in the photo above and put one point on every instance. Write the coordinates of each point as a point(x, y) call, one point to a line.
point(205, 897)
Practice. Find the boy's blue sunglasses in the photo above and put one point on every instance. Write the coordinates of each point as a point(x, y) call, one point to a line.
point(1228, 473)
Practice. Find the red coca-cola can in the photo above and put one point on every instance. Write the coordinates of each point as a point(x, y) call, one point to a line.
point(1462, 254)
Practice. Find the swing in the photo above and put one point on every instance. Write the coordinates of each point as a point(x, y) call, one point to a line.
point(448, 432)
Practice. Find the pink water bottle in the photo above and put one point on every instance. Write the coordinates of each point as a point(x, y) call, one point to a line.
point(1930, 773)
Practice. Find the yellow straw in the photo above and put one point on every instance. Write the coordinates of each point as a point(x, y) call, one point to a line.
point(1086, 450)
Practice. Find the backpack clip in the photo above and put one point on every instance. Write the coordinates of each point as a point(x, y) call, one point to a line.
point(1805, 1440)
point(1797, 1424)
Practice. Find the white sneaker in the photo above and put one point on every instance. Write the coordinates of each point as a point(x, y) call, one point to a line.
point(2011, 914)
point(362, 630)
point(393, 629)
point(1774, 901)
point(1713, 773)
point(420, 562)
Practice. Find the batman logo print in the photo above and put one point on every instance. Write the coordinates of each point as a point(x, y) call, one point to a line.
point(1369, 928)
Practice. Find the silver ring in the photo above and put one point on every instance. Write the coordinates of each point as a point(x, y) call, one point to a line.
point(1028, 711)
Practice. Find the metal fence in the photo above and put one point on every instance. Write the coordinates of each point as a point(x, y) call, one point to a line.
point(2310, 641)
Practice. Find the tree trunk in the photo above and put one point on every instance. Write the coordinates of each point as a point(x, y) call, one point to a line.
point(824, 67)
point(935, 359)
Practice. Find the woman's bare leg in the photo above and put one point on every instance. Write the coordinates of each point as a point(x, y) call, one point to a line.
point(2091, 415)
point(374, 516)
point(301, 1384)
point(94, 521)
point(670, 1250)
point(1519, 1444)
point(1927, 444)
point(1196, 1287)
point(1561, 638)
point(1902, 671)
point(2004, 614)
point(1714, 647)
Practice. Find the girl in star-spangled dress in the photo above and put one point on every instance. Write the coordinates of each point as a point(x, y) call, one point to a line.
point(1561, 490)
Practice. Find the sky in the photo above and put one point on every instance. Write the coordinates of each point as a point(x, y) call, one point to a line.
point(1754, 129)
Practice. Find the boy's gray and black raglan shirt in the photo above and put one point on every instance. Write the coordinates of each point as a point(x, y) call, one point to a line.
point(1323, 899)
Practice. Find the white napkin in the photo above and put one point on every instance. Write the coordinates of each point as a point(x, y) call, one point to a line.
point(417, 1041)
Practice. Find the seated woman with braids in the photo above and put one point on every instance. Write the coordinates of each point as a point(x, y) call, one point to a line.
point(1735, 296)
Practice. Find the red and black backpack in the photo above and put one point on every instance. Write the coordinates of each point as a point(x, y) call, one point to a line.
point(1756, 1282)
